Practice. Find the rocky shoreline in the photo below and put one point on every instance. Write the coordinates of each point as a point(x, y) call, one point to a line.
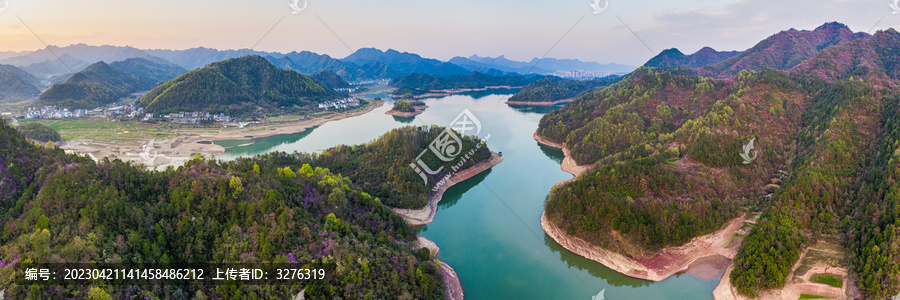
point(665, 263)
point(425, 215)
point(416, 217)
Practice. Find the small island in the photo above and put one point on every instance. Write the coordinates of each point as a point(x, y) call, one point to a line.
point(407, 109)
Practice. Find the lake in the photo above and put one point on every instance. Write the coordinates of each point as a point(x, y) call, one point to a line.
point(488, 228)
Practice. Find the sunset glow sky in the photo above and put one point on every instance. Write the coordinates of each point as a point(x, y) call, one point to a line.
point(519, 29)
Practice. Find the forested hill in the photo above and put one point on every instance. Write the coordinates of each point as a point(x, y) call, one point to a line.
point(330, 79)
point(270, 209)
point(16, 84)
point(97, 85)
point(666, 145)
point(381, 167)
point(553, 89)
point(236, 85)
point(149, 71)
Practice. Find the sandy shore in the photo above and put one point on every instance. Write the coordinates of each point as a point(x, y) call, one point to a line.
point(452, 286)
point(539, 103)
point(703, 256)
point(175, 151)
point(663, 264)
point(426, 214)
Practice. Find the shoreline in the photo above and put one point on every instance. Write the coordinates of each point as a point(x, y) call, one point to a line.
point(176, 150)
point(452, 285)
point(407, 114)
point(425, 215)
point(668, 261)
point(539, 103)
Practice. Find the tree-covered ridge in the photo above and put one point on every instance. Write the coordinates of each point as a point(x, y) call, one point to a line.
point(703, 57)
point(381, 167)
point(553, 89)
point(237, 85)
point(664, 176)
point(16, 84)
point(39, 132)
point(861, 58)
point(272, 209)
point(824, 132)
point(149, 71)
point(784, 50)
point(330, 79)
point(841, 130)
point(418, 83)
point(97, 85)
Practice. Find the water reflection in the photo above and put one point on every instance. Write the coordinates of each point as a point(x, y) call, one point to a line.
point(534, 109)
point(595, 269)
point(552, 153)
point(404, 120)
point(454, 193)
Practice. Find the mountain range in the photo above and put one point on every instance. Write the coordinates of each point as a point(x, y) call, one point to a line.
point(363, 64)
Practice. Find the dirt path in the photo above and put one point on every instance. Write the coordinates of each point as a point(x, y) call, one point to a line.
point(797, 284)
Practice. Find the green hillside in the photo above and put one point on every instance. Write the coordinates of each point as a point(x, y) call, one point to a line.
point(270, 209)
point(238, 85)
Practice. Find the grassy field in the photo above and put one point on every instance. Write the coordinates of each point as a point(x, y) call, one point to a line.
point(72, 129)
point(829, 279)
point(811, 296)
point(821, 254)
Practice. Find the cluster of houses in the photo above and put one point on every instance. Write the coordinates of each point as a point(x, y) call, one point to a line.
point(194, 117)
point(53, 112)
point(339, 104)
point(584, 74)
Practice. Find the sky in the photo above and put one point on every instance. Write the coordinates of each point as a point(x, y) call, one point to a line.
point(627, 32)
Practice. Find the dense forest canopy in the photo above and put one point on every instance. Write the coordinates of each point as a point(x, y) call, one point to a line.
point(664, 143)
point(238, 85)
point(275, 208)
point(39, 132)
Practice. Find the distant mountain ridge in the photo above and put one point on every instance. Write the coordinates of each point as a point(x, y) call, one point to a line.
point(16, 84)
point(536, 65)
point(97, 85)
point(703, 57)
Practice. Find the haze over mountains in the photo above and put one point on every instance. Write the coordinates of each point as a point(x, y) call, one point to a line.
point(365, 63)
